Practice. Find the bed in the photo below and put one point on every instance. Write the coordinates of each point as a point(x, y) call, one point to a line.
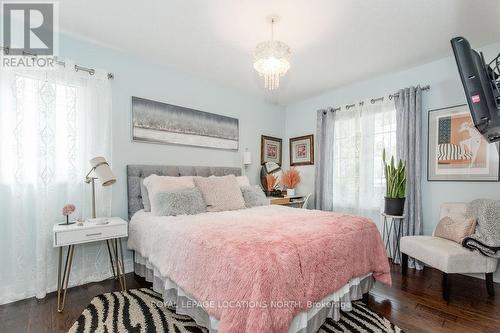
point(262, 269)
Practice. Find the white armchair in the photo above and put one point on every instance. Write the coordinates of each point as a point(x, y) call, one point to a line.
point(448, 256)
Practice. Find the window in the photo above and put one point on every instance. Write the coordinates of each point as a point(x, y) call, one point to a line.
point(42, 126)
point(361, 133)
point(51, 124)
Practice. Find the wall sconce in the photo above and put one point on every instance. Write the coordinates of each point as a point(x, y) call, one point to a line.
point(247, 159)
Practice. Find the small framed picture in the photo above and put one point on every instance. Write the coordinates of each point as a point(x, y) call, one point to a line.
point(270, 149)
point(457, 151)
point(302, 150)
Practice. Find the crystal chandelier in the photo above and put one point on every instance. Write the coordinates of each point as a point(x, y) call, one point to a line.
point(272, 60)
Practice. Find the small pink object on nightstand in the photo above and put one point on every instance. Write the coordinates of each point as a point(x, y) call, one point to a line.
point(67, 210)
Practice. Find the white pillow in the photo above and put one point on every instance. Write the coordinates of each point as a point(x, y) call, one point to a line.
point(243, 181)
point(156, 184)
point(220, 193)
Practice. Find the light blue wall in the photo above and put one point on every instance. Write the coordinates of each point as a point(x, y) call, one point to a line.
point(138, 77)
point(446, 90)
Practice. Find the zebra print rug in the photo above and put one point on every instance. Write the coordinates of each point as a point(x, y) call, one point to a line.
point(137, 310)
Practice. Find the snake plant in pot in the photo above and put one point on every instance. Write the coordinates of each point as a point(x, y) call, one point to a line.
point(395, 176)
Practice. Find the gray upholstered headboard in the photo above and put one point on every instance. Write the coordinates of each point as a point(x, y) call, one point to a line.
point(136, 172)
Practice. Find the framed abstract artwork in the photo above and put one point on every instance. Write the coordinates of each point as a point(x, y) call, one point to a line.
point(456, 150)
point(270, 149)
point(302, 150)
point(156, 122)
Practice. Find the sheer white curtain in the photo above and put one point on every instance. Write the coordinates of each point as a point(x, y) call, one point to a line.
point(361, 132)
point(51, 123)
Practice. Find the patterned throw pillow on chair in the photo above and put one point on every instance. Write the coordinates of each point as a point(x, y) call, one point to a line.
point(455, 230)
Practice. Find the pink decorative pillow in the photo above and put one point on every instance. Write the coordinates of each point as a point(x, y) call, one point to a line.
point(220, 193)
point(455, 230)
point(156, 184)
point(243, 181)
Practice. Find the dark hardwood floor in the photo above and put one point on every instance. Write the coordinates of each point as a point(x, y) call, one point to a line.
point(41, 316)
point(413, 302)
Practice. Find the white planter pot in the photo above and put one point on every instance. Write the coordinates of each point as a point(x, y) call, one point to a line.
point(290, 191)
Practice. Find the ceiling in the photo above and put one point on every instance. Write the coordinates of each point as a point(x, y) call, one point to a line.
point(334, 42)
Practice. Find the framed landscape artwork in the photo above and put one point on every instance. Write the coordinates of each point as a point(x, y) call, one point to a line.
point(157, 122)
point(456, 150)
point(302, 150)
point(270, 149)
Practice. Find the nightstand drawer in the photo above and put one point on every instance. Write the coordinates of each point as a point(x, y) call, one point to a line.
point(85, 235)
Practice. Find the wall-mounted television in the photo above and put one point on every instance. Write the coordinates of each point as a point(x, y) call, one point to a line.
point(481, 83)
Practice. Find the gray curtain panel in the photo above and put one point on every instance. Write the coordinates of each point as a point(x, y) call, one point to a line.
point(323, 182)
point(408, 133)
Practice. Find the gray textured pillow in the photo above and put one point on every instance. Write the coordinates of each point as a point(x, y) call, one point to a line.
point(179, 202)
point(254, 196)
point(145, 196)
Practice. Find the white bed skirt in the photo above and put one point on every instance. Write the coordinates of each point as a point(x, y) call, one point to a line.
point(304, 322)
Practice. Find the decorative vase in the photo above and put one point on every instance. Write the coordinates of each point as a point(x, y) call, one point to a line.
point(394, 206)
point(290, 191)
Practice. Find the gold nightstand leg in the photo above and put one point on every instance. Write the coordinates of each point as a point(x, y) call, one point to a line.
point(62, 282)
point(59, 278)
point(117, 262)
point(122, 265)
point(111, 259)
point(117, 267)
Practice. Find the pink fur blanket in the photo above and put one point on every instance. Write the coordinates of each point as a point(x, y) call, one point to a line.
point(255, 269)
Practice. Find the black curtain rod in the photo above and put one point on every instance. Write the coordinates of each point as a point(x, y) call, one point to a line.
point(374, 100)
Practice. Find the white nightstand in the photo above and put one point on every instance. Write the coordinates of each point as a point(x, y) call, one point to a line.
point(73, 234)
